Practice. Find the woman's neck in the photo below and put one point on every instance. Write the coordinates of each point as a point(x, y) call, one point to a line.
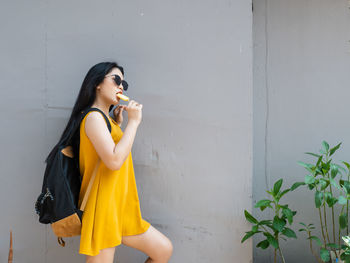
point(103, 107)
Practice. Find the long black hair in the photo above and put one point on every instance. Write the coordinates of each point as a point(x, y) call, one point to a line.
point(85, 99)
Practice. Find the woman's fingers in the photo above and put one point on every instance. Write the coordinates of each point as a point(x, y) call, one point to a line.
point(133, 103)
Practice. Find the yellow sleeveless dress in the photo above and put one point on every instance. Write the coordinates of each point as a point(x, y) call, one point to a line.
point(112, 209)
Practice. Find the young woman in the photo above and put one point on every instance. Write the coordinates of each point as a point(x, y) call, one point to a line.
point(112, 214)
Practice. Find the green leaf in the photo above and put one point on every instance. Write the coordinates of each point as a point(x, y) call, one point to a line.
point(255, 228)
point(318, 199)
point(263, 204)
point(334, 149)
point(296, 185)
point(250, 218)
point(323, 184)
point(319, 160)
point(342, 200)
point(309, 179)
point(277, 186)
point(308, 166)
point(265, 222)
point(325, 146)
point(273, 241)
point(278, 223)
point(289, 214)
point(327, 196)
point(289, 233)
point(341, 182)
point(346, 187)
point(345, 257)
point(301, 223)
point(313, 154)
point(318, 241)
point(343, 247)
point(263, 244)
point(311, 186)
point(324, 253)
point(334, 171)
point(284, 192)
point(333, 245)
point(347, 165)
point(248, 235)
point(334, 183)
point(340, 167)
point(331, 201)
point(343, 221)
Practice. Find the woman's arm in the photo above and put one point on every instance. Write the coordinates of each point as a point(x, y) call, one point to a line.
point(113, 155)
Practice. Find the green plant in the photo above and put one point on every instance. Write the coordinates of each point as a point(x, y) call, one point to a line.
point(325, 178)
point(308, 229)
point(272, 229)
point(345, 256)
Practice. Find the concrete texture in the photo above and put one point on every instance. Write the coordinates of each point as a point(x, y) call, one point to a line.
point(301, 97)
point(188, 62)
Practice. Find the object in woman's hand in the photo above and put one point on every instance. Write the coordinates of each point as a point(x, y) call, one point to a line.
point(123, 97)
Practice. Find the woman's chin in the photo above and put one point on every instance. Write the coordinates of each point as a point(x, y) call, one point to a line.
point(115, 102)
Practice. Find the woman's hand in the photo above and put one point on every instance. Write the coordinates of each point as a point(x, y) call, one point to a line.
point(118, 114)
point(134, 110)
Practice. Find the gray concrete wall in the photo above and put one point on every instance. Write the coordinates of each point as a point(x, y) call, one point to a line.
point(301, 97)
point(188, 62)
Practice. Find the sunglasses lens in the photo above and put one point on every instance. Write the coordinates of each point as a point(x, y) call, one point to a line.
point(125, 85)
point(117, 80)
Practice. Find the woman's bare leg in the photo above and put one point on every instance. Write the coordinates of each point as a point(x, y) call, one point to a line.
point(153, 243)
point(106, 255)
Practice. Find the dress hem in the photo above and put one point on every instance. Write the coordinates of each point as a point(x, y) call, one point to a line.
point(138, 232)
point(92, 254)
point(119, 243)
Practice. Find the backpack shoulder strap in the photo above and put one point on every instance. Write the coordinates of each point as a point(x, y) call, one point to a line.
point(87, 193)
point(88, 189)
point(104, 115)
point(68, 141)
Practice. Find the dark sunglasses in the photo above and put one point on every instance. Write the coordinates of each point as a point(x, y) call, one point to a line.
point(119, 81)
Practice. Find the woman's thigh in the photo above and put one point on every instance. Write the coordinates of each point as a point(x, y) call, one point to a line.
point(153, 243)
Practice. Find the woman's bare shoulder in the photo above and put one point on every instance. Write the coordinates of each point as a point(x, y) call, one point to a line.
point(94, 122)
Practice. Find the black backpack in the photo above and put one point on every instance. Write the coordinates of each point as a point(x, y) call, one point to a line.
point(62, 181)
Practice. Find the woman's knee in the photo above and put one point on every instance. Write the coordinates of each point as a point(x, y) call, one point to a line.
point(165, 249)
point(169, 248)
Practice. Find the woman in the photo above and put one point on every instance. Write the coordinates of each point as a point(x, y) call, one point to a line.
point(112, 214)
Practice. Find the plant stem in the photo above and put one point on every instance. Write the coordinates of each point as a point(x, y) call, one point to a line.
point(330, 188)
point(311, 248)
point(324, 238)
point(339, 238)
point(341, 212)
point(347, 215)
point(325, 220)
point(333, 222)
point(274, 258)
point(347, 211)
point(279, 249)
